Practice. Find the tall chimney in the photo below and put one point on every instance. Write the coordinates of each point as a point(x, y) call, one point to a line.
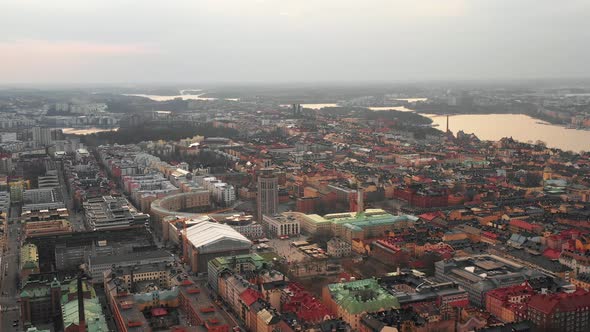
point(81, 315)
point(447, 123)
point(360, 205)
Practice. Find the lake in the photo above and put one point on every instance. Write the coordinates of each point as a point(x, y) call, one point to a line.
point(183, 96)
point(374, 108)
point(86, 131)
point(521, 127)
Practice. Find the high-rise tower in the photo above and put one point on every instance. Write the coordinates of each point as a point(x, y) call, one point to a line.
point(267, 200)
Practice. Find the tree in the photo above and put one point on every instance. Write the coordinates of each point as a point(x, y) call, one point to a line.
point(532, 179)
point(429, 259)
point(322, 237)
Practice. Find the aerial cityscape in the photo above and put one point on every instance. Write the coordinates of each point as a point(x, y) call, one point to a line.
point(268, 182)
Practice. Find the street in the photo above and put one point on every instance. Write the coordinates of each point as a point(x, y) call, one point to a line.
point(76, 219)
point(10, 261)
point(284, 249)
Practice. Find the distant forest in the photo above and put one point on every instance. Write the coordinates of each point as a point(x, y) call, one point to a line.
point(156, 132)
point(365, 113)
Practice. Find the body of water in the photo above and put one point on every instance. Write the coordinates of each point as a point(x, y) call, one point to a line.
point(374, 108)
point(86, 131)
point(486, 126)
point(167, 98)
point(181, 95)
point(412, 100)
point(317, 106)
point(389, 108)
point(521, 127)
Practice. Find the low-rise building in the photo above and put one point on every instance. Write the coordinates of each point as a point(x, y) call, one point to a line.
point(235, 263)
point(95, 319)
point(45, 215)
point(178, 204)
point(245, 225)
point(29, 260)
point(505, 303)
point(97, 265)
point(281, 225)
point(49, 180)
point(560, 311)
point(482, 273)
point(48, 227)
point(337, 247)
point(42, 199)
point(111, 212)
point(208, 240)
point(579, 262)
point(582, 281)
point(4, 201)
point(352, 300)
point(356, 225)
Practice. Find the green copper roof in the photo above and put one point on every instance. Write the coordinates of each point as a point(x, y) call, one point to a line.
point(354, 220)
point(362, 296)
point(36, 289)
point(55, 283)
point(35, 292)
point(255, 259)
point(95, 320)
point(34, 329)
point(380, 220)
point(73, 288)
point(163, 295)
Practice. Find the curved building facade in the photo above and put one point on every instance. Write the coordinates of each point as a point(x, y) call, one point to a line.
point(173, 204)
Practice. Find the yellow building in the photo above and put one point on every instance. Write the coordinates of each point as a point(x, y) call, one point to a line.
point(29, 260)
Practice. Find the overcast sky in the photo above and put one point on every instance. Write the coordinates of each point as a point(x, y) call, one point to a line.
point(128, 41)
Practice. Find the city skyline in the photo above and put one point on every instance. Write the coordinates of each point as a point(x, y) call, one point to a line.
point(294, 165)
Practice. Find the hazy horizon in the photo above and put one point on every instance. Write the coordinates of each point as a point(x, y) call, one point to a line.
point(318, 42)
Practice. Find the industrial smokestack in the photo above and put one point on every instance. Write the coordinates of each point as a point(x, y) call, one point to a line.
point(82, 276)
point(81, 315)
point(360, 204)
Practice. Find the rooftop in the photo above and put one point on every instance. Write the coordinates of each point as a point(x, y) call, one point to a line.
point(95, 320)
point(207, 233)
point(564, 302)
point(250, 258)
point(362, 296)
point(29, 256)
point(152, 254)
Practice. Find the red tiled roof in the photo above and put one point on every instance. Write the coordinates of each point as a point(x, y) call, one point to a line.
point(490, 235)
point(305, 305)
point(504, 292)
point(552, 253)
point(524, 225)
point(564, 301)
point(430, 216)
point(417, 264)
point(156, 312)
point(249, 296)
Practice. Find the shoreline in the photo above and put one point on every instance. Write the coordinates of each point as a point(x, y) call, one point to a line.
point(540, 120)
